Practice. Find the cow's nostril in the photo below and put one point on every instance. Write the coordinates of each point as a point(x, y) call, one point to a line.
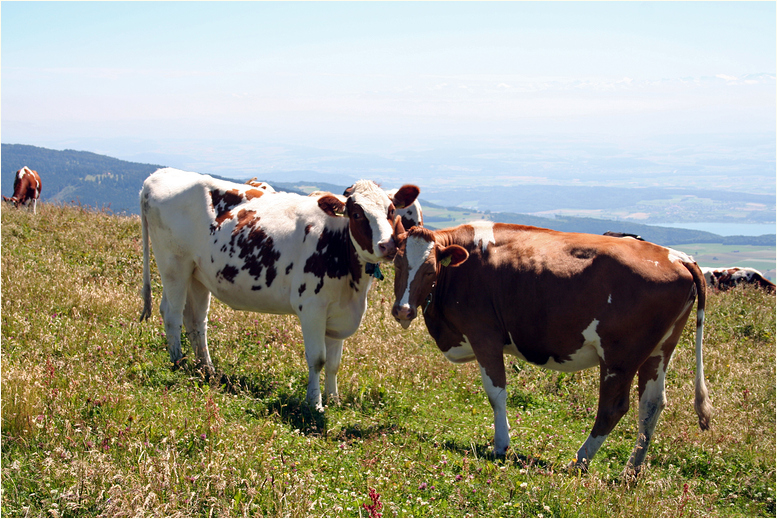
point(402, 312)
point(387, 247)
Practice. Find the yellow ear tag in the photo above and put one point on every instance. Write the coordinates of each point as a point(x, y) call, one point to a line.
point(446, 261)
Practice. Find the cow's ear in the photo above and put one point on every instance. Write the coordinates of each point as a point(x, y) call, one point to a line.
point(452, 255)
point(398, 227)
point(6, 199)
point(331, 205)
point(405, 196)
point(348, 191)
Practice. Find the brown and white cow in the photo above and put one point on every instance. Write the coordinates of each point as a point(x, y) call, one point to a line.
point(280, 254)
point(729, 277)
point(26, 188)
point(563, 301)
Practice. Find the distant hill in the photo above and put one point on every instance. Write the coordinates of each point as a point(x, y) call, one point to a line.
point(78, 176)
point(73, 177)
point(104, 182)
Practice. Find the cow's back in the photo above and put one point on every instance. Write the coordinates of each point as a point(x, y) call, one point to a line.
point(246, 247)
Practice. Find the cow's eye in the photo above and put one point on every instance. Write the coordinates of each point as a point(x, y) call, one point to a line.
point(357, 216)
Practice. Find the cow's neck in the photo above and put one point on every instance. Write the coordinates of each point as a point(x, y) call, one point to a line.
point(433, 311)
point(359, 270)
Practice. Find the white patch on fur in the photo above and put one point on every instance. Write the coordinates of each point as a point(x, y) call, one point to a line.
point(584, 358)
point(497, 397)
point(484, 234)
point(462, 353)
point(591, 338)
point(416, 252)
point(676, 255)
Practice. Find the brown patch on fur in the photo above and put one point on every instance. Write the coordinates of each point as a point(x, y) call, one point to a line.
point(334, 257)
point(360, 226)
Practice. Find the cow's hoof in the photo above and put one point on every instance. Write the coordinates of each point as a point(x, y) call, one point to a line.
point(578, 468)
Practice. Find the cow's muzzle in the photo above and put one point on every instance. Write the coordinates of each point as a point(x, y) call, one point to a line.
point(388, 249)
point(404, 314)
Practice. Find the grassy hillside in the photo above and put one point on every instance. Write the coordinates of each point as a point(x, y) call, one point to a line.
point(71, 176)
point(95, 423)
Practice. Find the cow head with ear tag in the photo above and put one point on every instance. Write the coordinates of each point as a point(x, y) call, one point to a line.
point(417, 263)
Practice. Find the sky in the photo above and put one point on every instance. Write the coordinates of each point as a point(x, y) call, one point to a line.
point(369, 76)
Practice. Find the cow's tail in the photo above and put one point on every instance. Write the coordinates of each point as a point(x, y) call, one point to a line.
point(146, 293)
point(702, 402)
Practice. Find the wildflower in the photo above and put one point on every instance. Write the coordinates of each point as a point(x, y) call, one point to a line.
point(422, 486)
point(376, 506)
point(458, 477)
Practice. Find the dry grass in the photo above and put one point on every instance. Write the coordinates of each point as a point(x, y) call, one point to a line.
point(95, 423)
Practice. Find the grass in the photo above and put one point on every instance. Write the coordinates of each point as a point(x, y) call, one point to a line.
point(95, 423)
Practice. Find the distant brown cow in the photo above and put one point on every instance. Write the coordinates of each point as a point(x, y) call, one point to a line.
point(26, 187)
point(563, 301)
point(729, 277)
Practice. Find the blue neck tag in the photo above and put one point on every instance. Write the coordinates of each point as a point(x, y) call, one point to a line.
point(373, 269)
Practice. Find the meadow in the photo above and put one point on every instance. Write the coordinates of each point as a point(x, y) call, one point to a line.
point(761, 258)
point(96, 423)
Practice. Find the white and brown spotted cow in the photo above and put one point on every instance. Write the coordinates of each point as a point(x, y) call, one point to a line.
point(412, 215)
point(729, 277)
point(279, 254)
point(26, 189)
point(563, 301)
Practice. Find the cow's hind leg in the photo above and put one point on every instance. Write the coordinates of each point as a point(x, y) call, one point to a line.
point(172, 305)
point(652, 397)
point(613, 404)
point(334, 353)
point(195, 319)
point(652, 400)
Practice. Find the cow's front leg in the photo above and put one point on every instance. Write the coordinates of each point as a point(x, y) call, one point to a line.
point(313, 326)
point(492, 372)
point(334, 353)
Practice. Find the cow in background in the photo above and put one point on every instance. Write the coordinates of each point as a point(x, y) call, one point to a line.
point(412, 215)
point(262, 186)
point(725, 278)
point(26, 188)
point(563, 301)
point(624, 235)
point(278, 254)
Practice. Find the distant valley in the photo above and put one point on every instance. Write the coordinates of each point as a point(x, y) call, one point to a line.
point(78, 177)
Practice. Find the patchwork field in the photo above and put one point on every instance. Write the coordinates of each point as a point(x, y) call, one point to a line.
point(719, 255)
point(96, 423)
